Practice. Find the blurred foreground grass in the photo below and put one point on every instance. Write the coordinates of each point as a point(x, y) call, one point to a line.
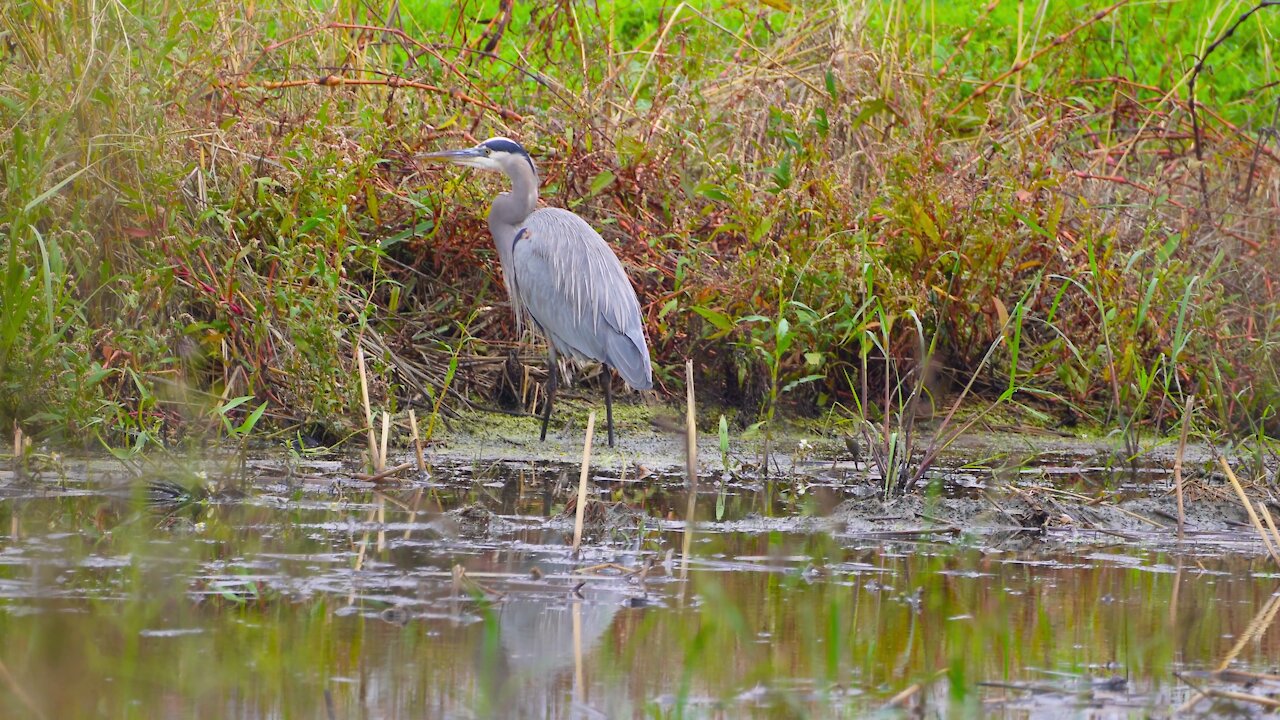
point(203, 204)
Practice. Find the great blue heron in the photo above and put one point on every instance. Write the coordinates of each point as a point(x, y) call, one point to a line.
point(561, 273)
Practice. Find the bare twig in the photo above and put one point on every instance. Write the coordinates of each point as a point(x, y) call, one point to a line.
point(1126, 181)
point(982, 17)
point(391, 82)
point(1022, 64)
point(1191, 93)
point(1270, 131)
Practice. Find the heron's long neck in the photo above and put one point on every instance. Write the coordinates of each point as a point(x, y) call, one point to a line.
point(511, 208)
point(505, 217)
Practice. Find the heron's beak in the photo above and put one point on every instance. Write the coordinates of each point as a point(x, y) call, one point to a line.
point(471, 157)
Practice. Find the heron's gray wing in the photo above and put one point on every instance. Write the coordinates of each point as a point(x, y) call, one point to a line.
point(572, 284)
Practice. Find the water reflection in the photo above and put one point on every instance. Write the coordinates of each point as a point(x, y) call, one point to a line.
point(294, 600)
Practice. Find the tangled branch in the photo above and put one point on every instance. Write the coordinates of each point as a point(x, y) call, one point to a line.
point(1191, 87)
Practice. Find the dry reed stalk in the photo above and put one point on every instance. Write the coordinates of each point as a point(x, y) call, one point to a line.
point(691, 466)
point(582, 481)
point(368, 411)
point(1192, 701)
point(1243, 697)
point(386, 473)
point(458, 573)
point(910, 691)
point(1244, 676)
point(1248, 506)
point(691, 427)
point(382, 446)
point(1177, 460)
point(364, 544)
point(19, 693)
point(1257, 625)
point(1154, 523)
point(579, 682)
point(902, 697)
point(1271, 524)
point(413, 512)
point(417, 441)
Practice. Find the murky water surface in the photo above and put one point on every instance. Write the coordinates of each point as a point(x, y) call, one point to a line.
point(311, 594)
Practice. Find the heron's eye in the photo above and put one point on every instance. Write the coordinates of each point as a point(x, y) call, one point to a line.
point(487, 150)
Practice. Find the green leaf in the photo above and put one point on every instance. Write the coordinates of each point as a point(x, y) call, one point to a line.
point(802, 381)
point(868, 110)
point(782, 175)
point(927, 225)
point(246, 427)
point(601, 181)
point(711, 192)
point(54, 190)
point(233, 403)
point(721, 321)
point(1033, 225)
point(97, 374)
point(1170, 247)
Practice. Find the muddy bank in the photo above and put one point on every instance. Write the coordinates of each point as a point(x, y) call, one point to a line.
point(1040, 484)
point(652, 438)
point(1041, 514)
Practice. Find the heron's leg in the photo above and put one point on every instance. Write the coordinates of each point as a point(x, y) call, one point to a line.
point(552, 382)
point(608, 400)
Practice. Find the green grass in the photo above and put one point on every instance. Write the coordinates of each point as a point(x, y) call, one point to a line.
point(179, 230)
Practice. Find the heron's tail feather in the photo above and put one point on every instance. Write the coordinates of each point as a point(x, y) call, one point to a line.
point(629, 355)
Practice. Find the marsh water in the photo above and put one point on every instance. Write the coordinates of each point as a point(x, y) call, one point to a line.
point(287, 588)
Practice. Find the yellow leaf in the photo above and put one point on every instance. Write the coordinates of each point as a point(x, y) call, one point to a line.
point(1002, 313)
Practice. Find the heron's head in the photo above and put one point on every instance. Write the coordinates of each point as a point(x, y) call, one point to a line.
point(499, 153)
